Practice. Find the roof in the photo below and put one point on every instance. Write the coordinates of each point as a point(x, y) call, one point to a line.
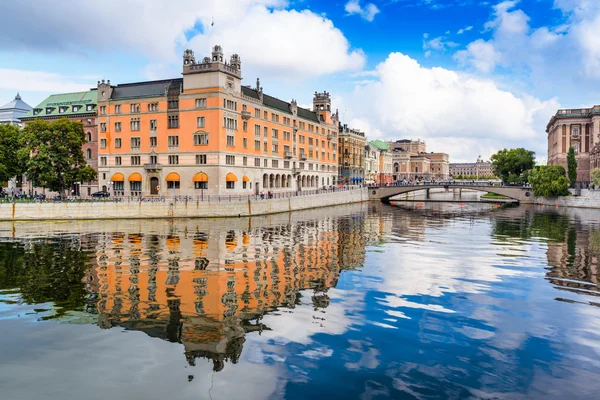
point(145, 89)
point(280, 105)
point(52, 105)
point(12, 111)
point(379, 145)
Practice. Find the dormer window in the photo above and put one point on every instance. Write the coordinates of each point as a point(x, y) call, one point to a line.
point(48, 110)
point(61, 110)
point(89, 107)
point(36, 112)
point(76, 108)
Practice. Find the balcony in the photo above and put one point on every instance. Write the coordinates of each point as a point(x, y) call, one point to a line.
point(296, 171)
point(246, 115)
point(152, 167)
point(287, 154)
point(303, 157)
point(329, 137)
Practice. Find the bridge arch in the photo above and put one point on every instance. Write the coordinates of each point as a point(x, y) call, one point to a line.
point(385, 193)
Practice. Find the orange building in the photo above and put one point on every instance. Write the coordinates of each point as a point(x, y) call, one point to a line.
point(206, 134)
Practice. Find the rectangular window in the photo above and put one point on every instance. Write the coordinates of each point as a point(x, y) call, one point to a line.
point(275, 133)
point(173, 104)
point(135, 124)
point(201, 103)
point(200, 158)
point(230, 185)
point(117, 160)
point(266, 132)
point(245, 126)
point(200, 185)
point(173, 121)
point(136, 142)
point(257, 162)
point(230, 140)
point(265, 115)
point(275, 163)
point(135, 108)
point(153, 159)
point(103, 161)
point(102, 110)
point(257, 145)
point(200, 122)
point(265, 163)
point(135, 160)
point(89, 107)
point(230, 123)
point(153, 141)
point(77, 108)
point(275, 148)
point(102, 143)
point(230, 160)
point(135, 186)
point(152, 124)
point(119, 186)
point(245, 161)
point(257, 130)
point(102, 126)
point(266, 146)
point(152, 106)
point(257, 113)
point(173, 160)
point(173, 185)
point(286, 164)
point(200, 139)
point(118, 109)
point(173, 141)
point(244, 184)
point(230, 105)
point(117, 143)
point(245, 142)
point(117, 127)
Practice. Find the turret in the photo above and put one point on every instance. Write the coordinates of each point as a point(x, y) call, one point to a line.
point(217, 54)
point(236, 62)
point(322, 106)
point(188, 57)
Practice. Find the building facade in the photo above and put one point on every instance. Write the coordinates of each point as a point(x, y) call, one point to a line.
point(11, 112)
point(477, 170)
point(351, 155)
point(206, 134)
point(579, 128)
point(81, 107)
point(383, 174)
point(411, 161)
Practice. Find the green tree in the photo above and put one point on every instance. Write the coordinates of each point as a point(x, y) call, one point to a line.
point(572, 166)
point(596, 177)
point(511, 165)
point(10, 165)
point(55, 157)
point(549, 181)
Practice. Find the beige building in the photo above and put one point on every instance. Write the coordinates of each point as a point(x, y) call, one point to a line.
point(351, 155)
point(411, 161)
point(478, 169)
point(579, 128)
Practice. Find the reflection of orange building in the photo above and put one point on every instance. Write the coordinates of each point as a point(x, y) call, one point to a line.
point(206, 133)
point(204, 288)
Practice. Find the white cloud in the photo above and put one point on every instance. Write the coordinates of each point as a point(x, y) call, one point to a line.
point(39, 81)
point(439, 44)
point(454, 111)
point(481, 54)
point(465, 29)
point(159, 31)
point(367, 13)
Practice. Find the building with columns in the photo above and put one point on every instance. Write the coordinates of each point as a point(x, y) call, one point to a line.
point(579, 128)
point(479, 169)
point(207, 134)
point(411, 161)
point(351, 155)
point(11, 112)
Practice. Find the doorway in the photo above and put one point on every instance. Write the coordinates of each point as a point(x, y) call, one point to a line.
point(154, 186)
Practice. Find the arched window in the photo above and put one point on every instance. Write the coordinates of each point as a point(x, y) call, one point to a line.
point(89, 136)
point(89, 154)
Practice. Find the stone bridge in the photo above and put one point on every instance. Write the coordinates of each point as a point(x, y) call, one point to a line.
point(523, 195)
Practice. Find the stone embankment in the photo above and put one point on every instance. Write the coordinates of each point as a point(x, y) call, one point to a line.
point(587, 199)
point(174, 209)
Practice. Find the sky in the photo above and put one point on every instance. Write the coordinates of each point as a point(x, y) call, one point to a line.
point(468, 76)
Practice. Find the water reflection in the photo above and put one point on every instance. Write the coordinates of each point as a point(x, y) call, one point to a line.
point(440, 301)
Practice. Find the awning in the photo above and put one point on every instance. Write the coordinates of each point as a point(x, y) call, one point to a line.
point(118, 177)
point(231, 178)
point(245, 179)
point(172, 177)
point(135, 177)
point(200, 177)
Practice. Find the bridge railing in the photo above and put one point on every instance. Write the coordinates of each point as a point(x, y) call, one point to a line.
point(452, 183)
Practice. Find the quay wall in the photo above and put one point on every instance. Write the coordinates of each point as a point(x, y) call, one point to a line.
point(587, 199)
point(172, 209)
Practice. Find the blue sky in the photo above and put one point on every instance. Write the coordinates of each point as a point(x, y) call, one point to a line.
point(470, 77)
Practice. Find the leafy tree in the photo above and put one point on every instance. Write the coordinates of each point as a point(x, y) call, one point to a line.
point(55, 157)
point(511, 165)
point(549, 181)
point(572, 166)
point(596, 177)
point(10, 165)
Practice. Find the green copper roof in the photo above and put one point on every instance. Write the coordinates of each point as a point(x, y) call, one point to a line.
point(379, 145)
point(65, 104)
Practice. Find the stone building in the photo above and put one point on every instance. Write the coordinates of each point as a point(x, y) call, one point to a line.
point(479, 169)
point(207, 134)
point(411, 161)
point(351, 155)
point(579, 128)
point(11, 112)
point(383, 174)
point(81, 107)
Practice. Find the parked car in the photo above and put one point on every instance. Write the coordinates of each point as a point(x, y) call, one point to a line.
point(100, 194)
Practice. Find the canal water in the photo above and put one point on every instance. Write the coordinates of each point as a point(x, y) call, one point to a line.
point(369, 301)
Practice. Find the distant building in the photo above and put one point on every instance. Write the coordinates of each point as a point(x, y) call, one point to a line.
point(79, 106)
point(478, 169)
point(575, 127)
point(11, 112)
point(383, 174)
point(411, 161)
point(351, 153)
